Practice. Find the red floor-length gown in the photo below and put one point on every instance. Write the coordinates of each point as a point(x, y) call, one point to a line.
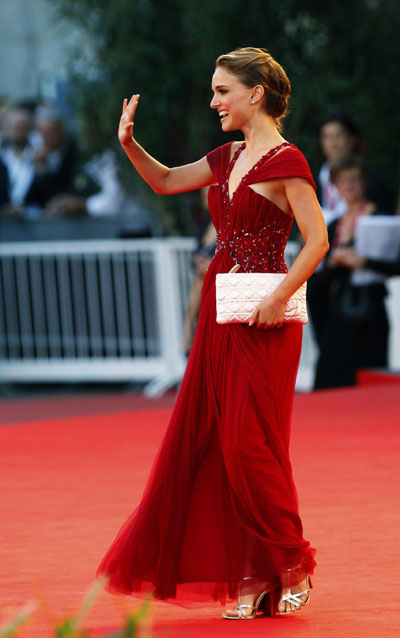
point(220, 503)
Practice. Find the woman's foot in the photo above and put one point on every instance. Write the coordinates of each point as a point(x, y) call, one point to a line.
point(251, 595)
point(295, 597)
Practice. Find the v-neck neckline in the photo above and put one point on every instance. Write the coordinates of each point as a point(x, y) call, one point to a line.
point(252, 168)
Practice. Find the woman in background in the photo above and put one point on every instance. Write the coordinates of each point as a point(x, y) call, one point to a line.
point(353, 333)
point(339, 136)
point(201, 261)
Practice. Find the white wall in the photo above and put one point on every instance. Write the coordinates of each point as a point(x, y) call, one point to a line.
point(35, 48)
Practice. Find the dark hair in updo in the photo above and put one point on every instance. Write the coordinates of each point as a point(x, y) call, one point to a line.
point(257, 66)
point(344, 119)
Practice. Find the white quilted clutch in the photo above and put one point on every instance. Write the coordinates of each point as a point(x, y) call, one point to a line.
point(238, 294)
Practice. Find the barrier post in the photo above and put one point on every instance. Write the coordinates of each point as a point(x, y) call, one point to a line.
point(169, 321)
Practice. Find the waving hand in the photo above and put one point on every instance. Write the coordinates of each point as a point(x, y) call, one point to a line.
point(163, 180)
point(126, 122)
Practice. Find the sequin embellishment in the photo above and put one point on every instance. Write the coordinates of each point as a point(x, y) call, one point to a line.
point(260, 249)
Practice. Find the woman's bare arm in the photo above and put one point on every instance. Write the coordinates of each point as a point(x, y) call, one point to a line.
point(311, 223)
point(163, 180)
point(310, 220)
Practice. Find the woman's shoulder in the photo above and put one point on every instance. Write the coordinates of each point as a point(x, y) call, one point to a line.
point(235, 147)
point(293, 151)
point(288, 154)
point(288, 162)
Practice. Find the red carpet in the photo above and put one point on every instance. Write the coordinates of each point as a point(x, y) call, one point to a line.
point(68, 483)
point(376, 377)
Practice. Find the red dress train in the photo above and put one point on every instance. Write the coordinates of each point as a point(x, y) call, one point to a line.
point(220, 503)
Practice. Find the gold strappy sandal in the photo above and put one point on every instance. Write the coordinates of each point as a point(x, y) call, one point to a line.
point(296, 600)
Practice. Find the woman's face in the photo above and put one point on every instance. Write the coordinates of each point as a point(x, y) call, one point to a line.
point(231, 98)
point(350, 184)
point(335, 140)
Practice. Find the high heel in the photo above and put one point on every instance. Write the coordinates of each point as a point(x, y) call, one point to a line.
point(295, 601)
point(241, 614)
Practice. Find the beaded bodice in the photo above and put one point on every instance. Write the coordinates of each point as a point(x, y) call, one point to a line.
point(249, 226)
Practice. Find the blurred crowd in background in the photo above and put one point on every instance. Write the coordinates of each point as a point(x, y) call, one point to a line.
point(42, 173)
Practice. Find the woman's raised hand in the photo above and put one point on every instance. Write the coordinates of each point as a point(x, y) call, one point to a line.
point(126, 122)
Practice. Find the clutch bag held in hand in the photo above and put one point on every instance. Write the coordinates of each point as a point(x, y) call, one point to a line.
point(238, 294)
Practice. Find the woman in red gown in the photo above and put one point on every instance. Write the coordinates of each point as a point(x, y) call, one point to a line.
point(219, 515)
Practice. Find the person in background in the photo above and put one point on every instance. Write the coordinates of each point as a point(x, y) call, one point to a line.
point(17, 154)
point(353, 329)
point(4, 186)
point(201, 260)
point(110, 201)
point(55, 158)
point(339, 137)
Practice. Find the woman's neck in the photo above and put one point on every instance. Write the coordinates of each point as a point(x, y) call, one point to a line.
point(356, 206)
point(261, 134)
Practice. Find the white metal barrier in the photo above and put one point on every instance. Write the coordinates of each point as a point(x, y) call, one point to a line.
point(110, 310)
point(94, 310)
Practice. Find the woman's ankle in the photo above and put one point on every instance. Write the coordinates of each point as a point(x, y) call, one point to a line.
point(292, 577)
point(250, 585)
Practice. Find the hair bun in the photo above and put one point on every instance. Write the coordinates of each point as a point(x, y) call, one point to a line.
point(277, 104)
